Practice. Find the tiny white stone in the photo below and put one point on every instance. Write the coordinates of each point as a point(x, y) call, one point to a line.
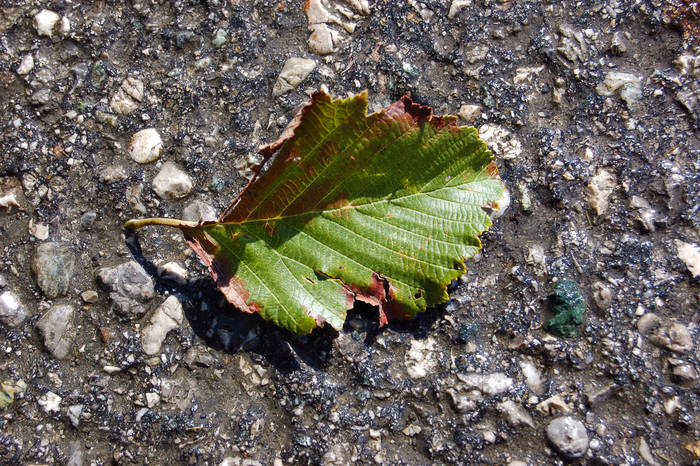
point(294, 71)
point(152, 399)
point(74, 413)
point(420, 359)
point(12, 313)
point(128, 97)
point(599, 190)
point(171, 182)
point(50, 402)
point(469, 112)
point(167, 317)
point(503, 143)
point(145, 146)
point(174, 272)
point(690, 255)
point(27, 65)
point(491, 384)
point(49, 23)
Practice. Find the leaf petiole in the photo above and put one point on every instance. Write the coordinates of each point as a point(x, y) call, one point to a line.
point(135, 224)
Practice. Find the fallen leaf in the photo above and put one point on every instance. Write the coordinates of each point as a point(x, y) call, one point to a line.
point(381, 208)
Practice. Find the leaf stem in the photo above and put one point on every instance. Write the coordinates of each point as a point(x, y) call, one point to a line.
point(135, 224)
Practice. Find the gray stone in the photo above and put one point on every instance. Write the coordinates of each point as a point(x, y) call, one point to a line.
point(198, 356)
point(167, 317)
point(76, 457)
point(198, 211)
point(12, 312)
point(87, 220)
point(53, 265)
point(56, 327)
point(219, 38)
point(568, 435)
point(617, 44)
point(171, 182)
point(74, 413)
point(294, 71)
point(514, 414)
point(130, 287)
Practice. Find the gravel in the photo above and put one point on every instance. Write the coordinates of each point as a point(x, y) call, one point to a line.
point(57, 329)
point(592, 112)
point(569, 436)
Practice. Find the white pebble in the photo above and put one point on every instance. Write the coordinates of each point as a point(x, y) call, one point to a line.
point(167, 317)
point(145, 146)
point(27, 65)
point(171, 182)
point(49, 23)
point(50, 403)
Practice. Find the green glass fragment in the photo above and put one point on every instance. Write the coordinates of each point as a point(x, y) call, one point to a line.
point(567, 307)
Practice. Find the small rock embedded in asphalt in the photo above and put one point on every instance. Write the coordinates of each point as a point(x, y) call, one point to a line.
point(74, 413)
point(294, 71)
point(599, 190)
point(50, 402)
point(690, 255)
point(199, 211)
point(50, 24)
point(628, 86)
point(130, 287)
point(128, 97)
point(12, 312)
point(145, 146)
point(569, 436)
point(53, 265)
point(469, 112)
point(26, 65)
point(503, 143)
point(490, 384)
point(171, 182)
point(56, 326)
point(166, 317)
point(514, 414)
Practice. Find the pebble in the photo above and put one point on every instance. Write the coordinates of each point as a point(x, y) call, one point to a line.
point(145, 146)
point(39, 231)
point(469, 112)
point(10, 192)
point(491, 384)
point(112, 174)
point(171, 182)
point(537, 259)
point(219, 38)
point(599, 190)
point(152, 399)
point(76, 455)
point(501, 205)
point(533, 377)
point(26, 65)
point(514, 414)
point(602, 295)
point(199, 211)
point(554, 405)
point(50, 24)
point(50, 402)
point(87, 220)
point(128, 97)
point(690, 255)
point(130, 287)
point(174, 272)
point(53, 265)
point(12, 312)
point(675, 337)
point(501, 141)
point(569, 436)
point(167, 317)
point(198, 356)
point(683, 371)
point(420, 359)
point(74, 413)
point(628, 86)
point(56, 327)
point(456, 6)
point(294, 71)
point(617, 44)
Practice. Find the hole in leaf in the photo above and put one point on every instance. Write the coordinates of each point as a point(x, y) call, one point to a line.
point(418, 294)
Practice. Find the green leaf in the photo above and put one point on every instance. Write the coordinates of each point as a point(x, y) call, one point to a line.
point(381, 208)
